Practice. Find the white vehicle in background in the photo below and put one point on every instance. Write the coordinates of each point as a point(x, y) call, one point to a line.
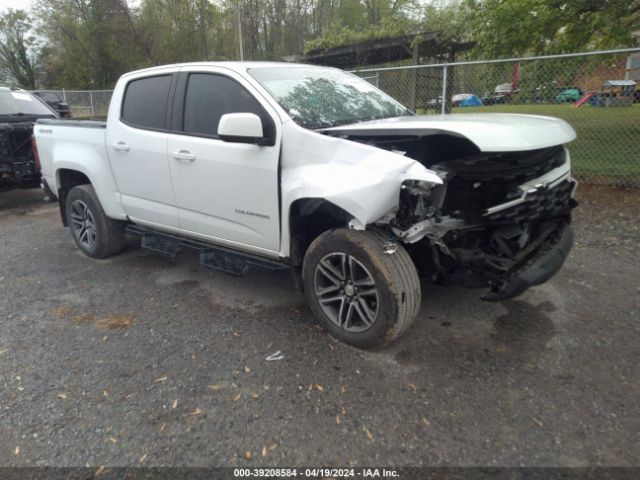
point(315, 170)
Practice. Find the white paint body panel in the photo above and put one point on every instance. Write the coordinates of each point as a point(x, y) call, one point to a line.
point(361, 179)
point(228, 193)
point(83, 150)
point(240, 125)
point(140, 165)
point(490, 132)
point(208, 196)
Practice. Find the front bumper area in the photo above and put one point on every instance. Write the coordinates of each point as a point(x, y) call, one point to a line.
point(503, 223)
point(517, 248)
point(538, 269)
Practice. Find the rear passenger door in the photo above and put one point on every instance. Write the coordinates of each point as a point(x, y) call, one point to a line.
point(137, 149)
point(225, 192)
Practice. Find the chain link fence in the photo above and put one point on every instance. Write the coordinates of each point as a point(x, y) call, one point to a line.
point(88, 103)
point(595, 92)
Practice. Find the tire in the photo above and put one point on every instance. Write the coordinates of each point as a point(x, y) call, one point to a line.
point(95, 234)
point(360, 294)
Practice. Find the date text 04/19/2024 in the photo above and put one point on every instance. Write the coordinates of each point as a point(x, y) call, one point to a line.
point(316, 472)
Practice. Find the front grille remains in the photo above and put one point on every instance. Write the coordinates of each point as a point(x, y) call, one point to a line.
point(480, 182)
point(508, 167)
point(543, 203)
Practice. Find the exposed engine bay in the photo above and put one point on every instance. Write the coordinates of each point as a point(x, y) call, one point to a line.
point(499, 220)
point(17, 163)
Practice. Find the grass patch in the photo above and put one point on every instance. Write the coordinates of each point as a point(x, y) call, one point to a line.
point(608, 138)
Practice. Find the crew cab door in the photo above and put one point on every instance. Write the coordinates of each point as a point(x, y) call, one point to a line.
point(225, 192)
point(137, 147)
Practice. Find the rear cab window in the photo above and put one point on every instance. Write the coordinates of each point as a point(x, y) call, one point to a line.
point(145, 102)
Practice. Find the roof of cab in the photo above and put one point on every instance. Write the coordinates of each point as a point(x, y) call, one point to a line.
point(236, 66)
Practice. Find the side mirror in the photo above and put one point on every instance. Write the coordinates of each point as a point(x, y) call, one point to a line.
point(242, 128)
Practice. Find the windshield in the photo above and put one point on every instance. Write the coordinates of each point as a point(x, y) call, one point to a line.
point(13, 102)
point(326, 97)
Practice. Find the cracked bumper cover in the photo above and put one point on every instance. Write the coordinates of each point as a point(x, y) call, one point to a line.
point(540, 269)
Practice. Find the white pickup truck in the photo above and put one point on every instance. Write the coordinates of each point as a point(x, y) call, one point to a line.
point(315, 170)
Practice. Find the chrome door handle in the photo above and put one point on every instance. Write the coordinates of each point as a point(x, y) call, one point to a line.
point(184, 155)
point(122, 146)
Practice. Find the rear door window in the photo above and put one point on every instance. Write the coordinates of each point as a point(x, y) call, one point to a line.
point(145, 102)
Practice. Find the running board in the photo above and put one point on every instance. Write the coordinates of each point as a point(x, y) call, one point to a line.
point(217, 258)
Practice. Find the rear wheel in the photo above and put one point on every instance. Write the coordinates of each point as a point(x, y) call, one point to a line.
point(362, 288)
point(95, 234)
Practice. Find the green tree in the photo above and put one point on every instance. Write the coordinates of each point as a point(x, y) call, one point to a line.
point(351, 14)
point(179, 30)
point(17, 45)
point(517, 27)
point(89, 43)
point(338, 35)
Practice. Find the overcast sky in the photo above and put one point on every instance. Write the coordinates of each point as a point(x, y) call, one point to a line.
point(17, 4)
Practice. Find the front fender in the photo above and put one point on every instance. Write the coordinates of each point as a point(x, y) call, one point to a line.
point(361, 179)
point(365, 193)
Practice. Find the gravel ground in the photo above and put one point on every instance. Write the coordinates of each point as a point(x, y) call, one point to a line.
point(142, 360)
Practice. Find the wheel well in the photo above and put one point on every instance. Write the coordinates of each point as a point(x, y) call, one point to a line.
point(308, 218)
point(67, 179)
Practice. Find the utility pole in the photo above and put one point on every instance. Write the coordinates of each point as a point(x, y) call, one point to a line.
point(239, 30)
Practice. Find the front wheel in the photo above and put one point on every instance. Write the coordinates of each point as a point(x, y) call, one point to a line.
point(362, 288)
point(97, 235)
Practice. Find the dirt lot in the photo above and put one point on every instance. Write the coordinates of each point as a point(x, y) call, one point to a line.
point(141, 360)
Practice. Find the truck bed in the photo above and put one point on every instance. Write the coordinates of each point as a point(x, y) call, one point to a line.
point(73, 123)
point(68, 141)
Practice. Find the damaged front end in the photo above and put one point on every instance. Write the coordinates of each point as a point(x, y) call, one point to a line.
point(499, 220)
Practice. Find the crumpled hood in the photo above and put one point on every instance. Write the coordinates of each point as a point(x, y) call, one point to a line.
point(490, 132)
